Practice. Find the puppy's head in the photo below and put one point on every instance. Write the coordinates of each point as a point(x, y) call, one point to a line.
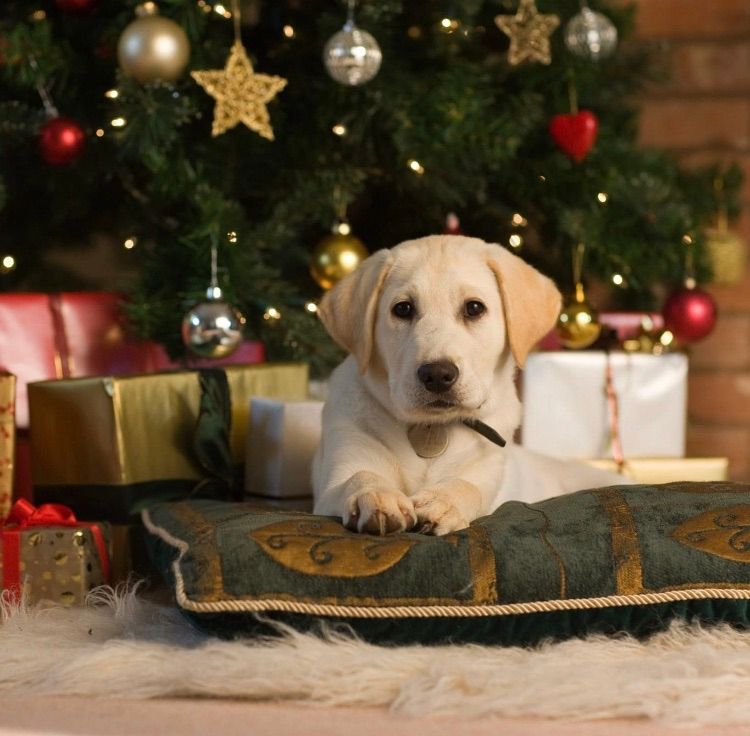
point(432, 321)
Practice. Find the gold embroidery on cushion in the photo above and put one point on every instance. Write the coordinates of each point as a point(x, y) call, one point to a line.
point(213, 579)
point(556, 555)
point(626, 551)
point(323, 547)
point(722, 532)
point(482, 566)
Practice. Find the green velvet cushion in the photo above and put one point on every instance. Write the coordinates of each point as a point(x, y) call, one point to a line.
point(624, 558)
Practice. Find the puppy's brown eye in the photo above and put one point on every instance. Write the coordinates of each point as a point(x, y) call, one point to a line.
point(473, 308)
point(403, 310)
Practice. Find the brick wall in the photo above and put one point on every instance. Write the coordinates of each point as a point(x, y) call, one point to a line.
point(703, 114)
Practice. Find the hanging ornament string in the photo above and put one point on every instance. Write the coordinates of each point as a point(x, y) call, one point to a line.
point(214, 288)
point(241, 95)
point(41, 88)
point(213, 328)
point(578, 325)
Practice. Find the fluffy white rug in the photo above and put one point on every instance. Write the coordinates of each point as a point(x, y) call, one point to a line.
point(123, 646)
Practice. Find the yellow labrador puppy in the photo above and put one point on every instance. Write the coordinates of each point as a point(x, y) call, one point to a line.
point(414, 426)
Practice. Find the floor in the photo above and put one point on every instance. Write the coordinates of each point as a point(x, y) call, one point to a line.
point(96, 717)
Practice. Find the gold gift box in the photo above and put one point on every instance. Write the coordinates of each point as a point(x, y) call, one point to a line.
point(654, 470)
point(58, 563)
point(136, 429)
point(7, 440)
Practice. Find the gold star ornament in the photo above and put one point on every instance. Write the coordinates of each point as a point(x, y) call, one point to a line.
point(241, 95)
point(529, 33)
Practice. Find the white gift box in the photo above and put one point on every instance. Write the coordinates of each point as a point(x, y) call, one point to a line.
point(566, 412)
point(282, 438)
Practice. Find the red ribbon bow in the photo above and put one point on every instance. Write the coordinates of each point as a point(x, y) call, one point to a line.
point(24, 515)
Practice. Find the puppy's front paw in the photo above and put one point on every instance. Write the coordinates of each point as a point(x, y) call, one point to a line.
point(436, 514)
point(379, 512)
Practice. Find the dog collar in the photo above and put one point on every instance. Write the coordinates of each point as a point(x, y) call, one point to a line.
point(431, 440)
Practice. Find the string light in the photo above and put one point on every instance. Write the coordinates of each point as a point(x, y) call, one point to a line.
point(112, 94)
point(38, 15)
point(519, 220)
point(415, 166)
point(232, 236)
point(272, 313)
point(288, 31)
point(666, 338)
point(130, 242)
point(118, 123)
point(542, 178)
point(602, 197)
point(204, 6)
point(311, 307)
point(687, 239)
point(8, 264)
point(414, 32)
point(339, 129)
point(221, 10)
point(515, 241)
point(342, 227)
point(617, 279)
point(100, 132)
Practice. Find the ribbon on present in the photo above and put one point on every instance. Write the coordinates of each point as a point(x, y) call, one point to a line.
point(211, 439)
point(24, 515)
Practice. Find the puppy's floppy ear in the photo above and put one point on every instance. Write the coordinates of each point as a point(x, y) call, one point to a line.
point(531, 301)
point(348, 310)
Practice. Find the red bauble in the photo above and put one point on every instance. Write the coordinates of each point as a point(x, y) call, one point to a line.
point(61, 141)
point(690, 314)
point(76, 6)
point(575, 134)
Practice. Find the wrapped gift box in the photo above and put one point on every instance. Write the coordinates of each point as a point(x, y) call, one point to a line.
point(47, 554)
point(106, 446)
point(73, 334)
point(7, 441)
point(70, 334)
point(281, 441)
point(655, 470)
point(566, 412)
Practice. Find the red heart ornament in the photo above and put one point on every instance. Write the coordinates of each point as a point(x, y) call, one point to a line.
point(575, 134)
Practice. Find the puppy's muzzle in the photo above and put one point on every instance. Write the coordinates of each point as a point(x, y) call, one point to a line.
point(438, 377)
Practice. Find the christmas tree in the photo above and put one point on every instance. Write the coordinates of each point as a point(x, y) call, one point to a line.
point(494, 110)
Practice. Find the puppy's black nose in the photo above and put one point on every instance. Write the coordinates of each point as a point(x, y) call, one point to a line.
point(438, 376)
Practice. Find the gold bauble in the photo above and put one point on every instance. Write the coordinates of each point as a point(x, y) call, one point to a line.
point(578, 324)
point(153, 48)
point(336, 256)
point(727, 255)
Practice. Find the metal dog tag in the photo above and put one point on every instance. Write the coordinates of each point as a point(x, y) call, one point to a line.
point(428, 440)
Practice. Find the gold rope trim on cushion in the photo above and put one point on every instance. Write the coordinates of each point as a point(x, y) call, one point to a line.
point(459, 611)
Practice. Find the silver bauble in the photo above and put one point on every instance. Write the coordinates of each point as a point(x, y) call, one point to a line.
point(590, 35)
point(153, 48)
point(213, 328)
point(352, 56)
